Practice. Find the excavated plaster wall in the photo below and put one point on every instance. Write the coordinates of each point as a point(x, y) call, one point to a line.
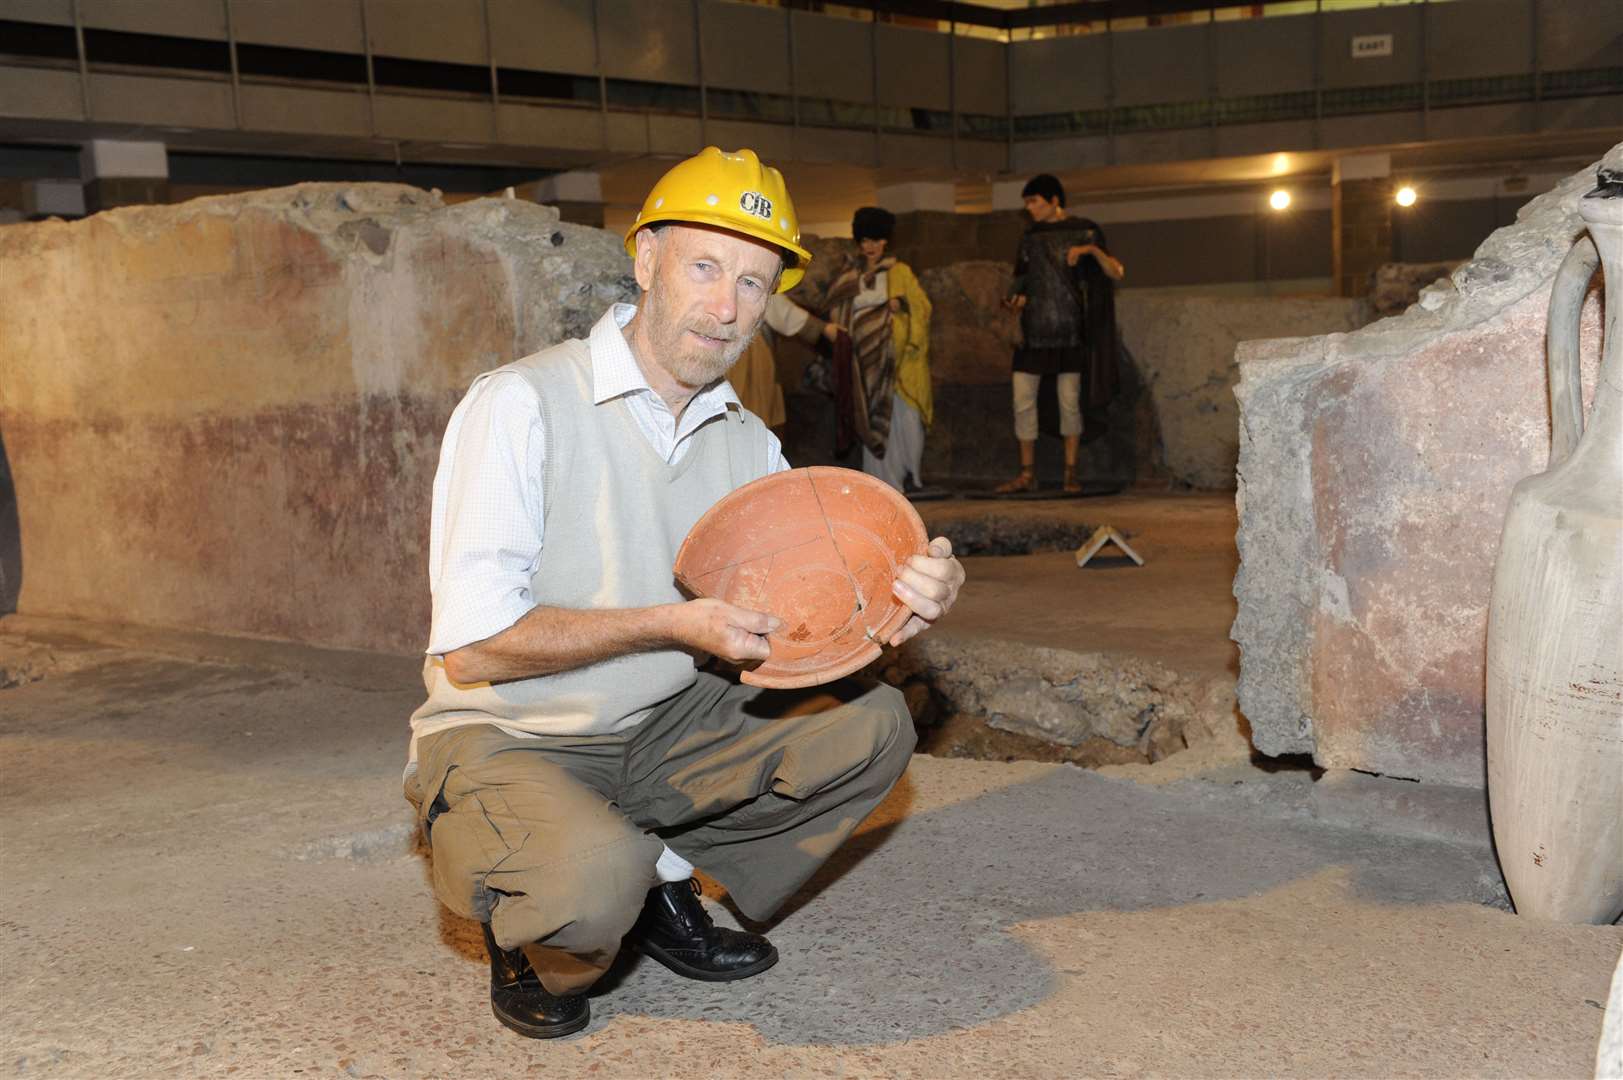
point(1375, 469)
point(225, 414)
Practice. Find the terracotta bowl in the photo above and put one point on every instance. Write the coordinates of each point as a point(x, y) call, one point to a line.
point(818, 548)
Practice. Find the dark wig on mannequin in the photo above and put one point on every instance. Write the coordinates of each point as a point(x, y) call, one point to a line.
point(872, 223)
point(1046, 186)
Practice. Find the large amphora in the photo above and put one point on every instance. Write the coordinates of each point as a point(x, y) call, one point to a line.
point(1555, 627)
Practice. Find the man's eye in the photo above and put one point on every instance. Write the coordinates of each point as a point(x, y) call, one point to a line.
point(752, 283)
point(707, 267)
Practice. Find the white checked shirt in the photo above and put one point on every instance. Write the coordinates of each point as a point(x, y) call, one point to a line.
point(486, 531)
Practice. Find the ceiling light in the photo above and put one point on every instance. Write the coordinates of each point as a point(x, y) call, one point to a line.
point(1405, 196)
point(1280, 199)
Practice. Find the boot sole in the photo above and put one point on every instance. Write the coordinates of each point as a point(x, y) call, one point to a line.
point(687, 970)
point(541, 1031)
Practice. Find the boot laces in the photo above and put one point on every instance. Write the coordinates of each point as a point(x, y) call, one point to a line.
point(698, 914)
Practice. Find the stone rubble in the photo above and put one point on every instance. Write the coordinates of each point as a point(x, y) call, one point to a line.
point(1102, 707)
point(1395, 287)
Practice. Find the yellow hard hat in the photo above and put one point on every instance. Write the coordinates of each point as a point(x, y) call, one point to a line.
point(733, 192)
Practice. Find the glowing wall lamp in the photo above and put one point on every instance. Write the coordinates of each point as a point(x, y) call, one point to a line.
point(1405, 196)
point(1280, 199)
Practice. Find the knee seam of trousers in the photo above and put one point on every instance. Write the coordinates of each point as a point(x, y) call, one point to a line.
point(571, 858)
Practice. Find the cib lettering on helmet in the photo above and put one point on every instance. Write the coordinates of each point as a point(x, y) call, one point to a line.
point(753, 202)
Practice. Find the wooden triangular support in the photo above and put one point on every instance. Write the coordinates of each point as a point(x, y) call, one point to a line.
point(1103, 535)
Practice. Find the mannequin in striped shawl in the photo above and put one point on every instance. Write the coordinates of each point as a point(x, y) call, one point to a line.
point(877, 297)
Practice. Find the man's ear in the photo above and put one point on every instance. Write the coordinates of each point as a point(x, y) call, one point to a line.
point(648, 241)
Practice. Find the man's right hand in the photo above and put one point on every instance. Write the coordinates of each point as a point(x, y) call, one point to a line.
point(1014, 303)
point(733, 634)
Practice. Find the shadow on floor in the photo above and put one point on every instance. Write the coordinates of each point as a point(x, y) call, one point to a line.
point(904, 934)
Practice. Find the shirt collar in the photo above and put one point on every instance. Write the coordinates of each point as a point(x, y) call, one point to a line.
point(615, 371)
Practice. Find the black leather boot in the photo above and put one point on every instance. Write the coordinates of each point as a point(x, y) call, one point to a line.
point(520, 1001)
point(675, 929)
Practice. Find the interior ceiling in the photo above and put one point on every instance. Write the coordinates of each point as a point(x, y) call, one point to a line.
point(828, 192)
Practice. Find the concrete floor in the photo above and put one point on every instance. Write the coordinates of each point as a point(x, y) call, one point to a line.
point(205, 869)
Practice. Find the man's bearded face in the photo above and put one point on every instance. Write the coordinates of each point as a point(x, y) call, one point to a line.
point(706, 294)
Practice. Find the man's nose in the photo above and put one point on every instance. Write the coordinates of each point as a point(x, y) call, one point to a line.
point(721, 303)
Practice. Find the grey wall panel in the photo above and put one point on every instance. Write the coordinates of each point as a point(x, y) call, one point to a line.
point(317, 112)
point(1442, 231)
point(40, 93)
point(1059, 74)
point(1295, 245)
point(553, 35)
point(826, 144)
point(1479, 38)
point(652, 42)
point(181, 18)
point(1220, 250)
point(913, 68)
point(1478, 121)
point(1263, 56)
point(1057, 155)
point(1198, 251)
point(1579, 113)
point(1339, 28)
point(981, 67)
point(139, 99)
point(746, 47)
point(627, 132)
point(915, 151)
point(773, 143)
point(541, 125)
point(1242, 139)
point(1162, 65)
point(40, 11)
point(330, 25)
point(1576, 34)
point(1351, 132)
point(424, 119)
point(427, 30)
point(679, 136)
point(978, 156)
point(1152, 146)
point(833, 58)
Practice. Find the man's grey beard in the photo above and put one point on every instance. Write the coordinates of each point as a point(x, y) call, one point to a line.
point(729, 354)
point(698, 368)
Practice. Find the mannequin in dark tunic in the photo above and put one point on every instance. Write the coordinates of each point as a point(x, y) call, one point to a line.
point(1064, 289)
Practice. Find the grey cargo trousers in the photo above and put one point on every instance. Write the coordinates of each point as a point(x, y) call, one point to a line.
point(553, 839)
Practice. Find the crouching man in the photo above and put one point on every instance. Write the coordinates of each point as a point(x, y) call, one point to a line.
point(571, 765)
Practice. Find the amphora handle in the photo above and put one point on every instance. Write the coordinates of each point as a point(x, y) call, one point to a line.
point(1561, 347)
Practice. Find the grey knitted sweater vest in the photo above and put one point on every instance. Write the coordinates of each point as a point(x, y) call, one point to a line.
point(615, 514)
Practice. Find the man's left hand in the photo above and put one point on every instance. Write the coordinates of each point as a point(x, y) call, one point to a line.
point(1074, 254)
point(928, 584)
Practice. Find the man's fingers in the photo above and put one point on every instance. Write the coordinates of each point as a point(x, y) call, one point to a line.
point(922, 570)
point(932, 581)
point(746, 646)
point(924, 606)
point(929, 583)
point(755, 622)
point(909, 630)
